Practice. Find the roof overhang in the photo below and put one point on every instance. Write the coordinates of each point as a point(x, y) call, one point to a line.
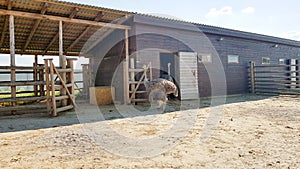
point(36, 25)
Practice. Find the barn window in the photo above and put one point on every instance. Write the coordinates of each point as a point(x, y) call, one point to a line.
point(265, 60)
point(233, 59)
point(205, 58)
point(281, 61)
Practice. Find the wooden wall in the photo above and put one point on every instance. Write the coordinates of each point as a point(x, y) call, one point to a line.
point(170, 39)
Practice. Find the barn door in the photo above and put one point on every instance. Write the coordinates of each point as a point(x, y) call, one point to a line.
point(165, 60)
point(188, 75)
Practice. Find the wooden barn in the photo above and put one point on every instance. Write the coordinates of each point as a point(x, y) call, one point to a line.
point(124, 49)
point(203, 60)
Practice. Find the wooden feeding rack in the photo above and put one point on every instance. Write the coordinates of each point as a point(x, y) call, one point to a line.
point(134, 86)
point(47, 88)
point(65, 86)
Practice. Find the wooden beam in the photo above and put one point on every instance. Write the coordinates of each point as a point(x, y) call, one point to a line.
point(60, 40)
point(87, 29)
point(35, 74)
point(47, 71)
point(5, 25)
point(86, 79)
point(35, 26)
point(12, 40)
point(62, 60)
point(4, 31)
point(126, 79)
point(39, 52)
point(132, 74)
point(9, 4)
point(12, 56)
point(53, 100)
point(22, 99)
point(64, 19)
point(70, 76)
point(72, 15)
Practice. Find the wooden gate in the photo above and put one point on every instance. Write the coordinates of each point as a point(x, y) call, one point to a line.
point(187, 75)
point(275, 79)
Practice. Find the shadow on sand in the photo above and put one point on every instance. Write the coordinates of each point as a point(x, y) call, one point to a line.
point(42, 121)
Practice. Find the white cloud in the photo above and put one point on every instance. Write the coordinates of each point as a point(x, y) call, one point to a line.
point(214, 12)
point(248, 10)
point(294, 35)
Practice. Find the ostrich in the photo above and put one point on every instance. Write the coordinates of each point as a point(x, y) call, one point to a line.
point(158, 90)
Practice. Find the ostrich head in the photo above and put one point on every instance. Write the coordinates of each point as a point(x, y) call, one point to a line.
point(176, 92)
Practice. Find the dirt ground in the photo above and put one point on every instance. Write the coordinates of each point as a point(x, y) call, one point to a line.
point(246, 132)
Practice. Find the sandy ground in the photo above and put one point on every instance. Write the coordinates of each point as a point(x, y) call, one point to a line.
point(249, 132)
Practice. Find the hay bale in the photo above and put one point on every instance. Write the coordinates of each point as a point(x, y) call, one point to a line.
point(103, 95)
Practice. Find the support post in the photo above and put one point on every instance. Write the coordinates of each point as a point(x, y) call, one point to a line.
point(47, 87)
point(71, 79)
point(132, 87)
point(126, 79)
point(12, 57)
point(252, 75)
point(41, 78)
point(35, 75)
point(90, 70)
point(54, 112)
point(86, 80)
point(62, 61)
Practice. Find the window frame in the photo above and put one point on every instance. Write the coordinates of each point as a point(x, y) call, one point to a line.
point(200, 57)
point(267, 58)
point(284, 61)
point(235, 62)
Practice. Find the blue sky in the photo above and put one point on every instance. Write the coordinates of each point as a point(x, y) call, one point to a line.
point(275, 18)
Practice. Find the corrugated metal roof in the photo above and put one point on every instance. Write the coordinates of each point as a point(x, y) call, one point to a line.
point(48, 29)
point(221, 31)
point(247, 35)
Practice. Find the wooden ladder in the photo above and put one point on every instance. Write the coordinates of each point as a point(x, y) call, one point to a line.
point(134, 85)
point(67, 101)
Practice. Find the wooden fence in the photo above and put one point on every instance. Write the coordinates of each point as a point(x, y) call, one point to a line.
point(46, 84)
point(275, 79)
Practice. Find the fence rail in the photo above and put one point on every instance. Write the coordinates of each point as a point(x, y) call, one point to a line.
point(30, 88)
point(275, 79)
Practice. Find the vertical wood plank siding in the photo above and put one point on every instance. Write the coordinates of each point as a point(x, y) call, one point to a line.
point(236, 74)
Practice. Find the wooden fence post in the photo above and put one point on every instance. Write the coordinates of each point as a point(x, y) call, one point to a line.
point(47, 87)
point(126, 74)
point(297, 74)
point(12, 58)
point(293, 72)
point(86, 77)
point(54, 112)
point(252, 75)
point(71, 78)
point(62, 61)
point(35, 75)
point(41, 79)
point(132, 87)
